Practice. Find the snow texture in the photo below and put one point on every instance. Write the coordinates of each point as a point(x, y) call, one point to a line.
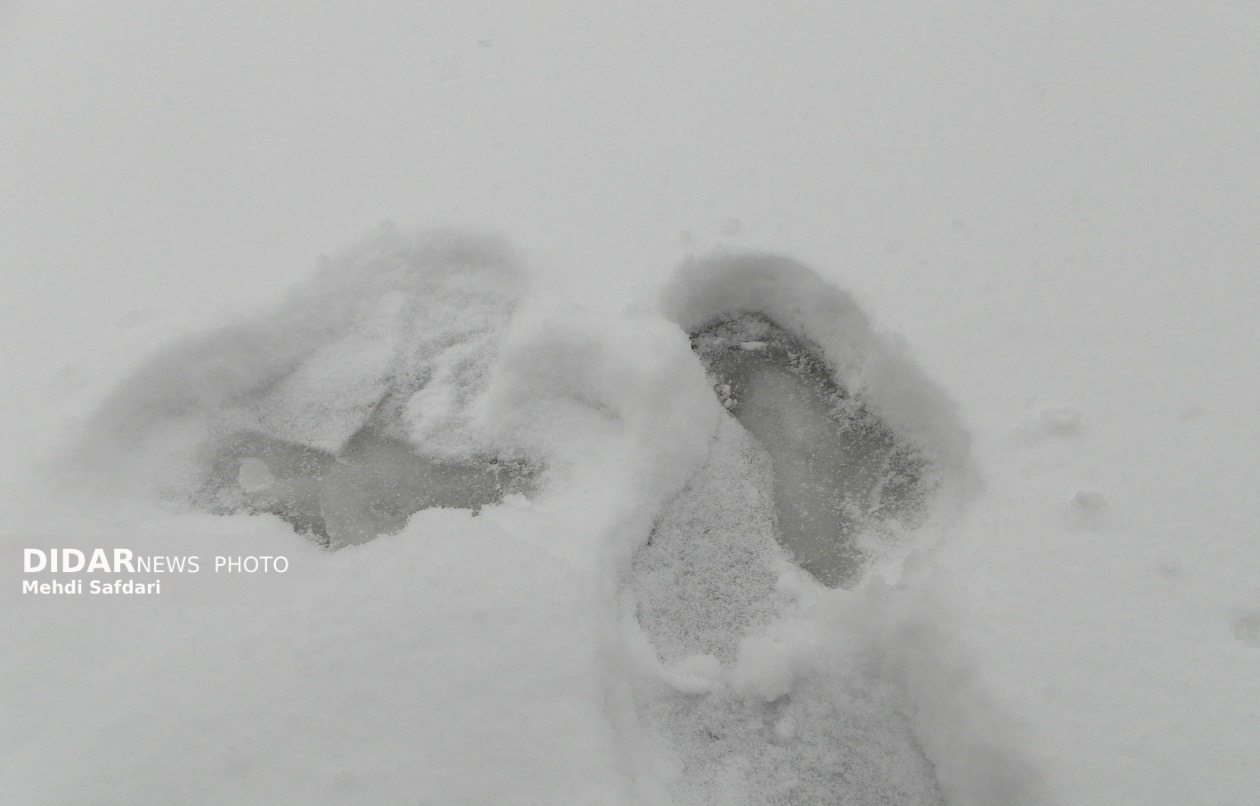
point(765, 698)
point(653, 509)
point(348, 409)
point(537, 557)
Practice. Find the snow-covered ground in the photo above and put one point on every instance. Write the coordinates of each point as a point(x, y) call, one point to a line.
point(1047, 215)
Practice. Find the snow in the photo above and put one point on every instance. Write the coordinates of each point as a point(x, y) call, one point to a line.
point(203, 704)
point(1024, 236)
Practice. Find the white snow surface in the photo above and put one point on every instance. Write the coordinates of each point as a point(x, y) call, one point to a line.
point(1040, 227)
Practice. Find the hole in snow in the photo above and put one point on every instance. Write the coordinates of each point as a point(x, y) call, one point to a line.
point(369, 488)
point(838, 470)
point(805, 463)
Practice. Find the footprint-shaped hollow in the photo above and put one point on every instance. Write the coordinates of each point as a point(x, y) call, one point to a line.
point(371, 487)
point(838, 469)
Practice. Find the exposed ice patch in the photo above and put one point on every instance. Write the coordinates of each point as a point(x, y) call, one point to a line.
point(369, 488)
point(830, 326)
point(837, 469)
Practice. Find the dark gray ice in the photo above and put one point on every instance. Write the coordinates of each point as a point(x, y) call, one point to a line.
point(369, 488)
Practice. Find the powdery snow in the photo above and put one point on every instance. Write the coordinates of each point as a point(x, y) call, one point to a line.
point(1053, 207)
point(651, 548)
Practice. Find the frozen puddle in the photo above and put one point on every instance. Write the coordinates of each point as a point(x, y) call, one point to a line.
point(369, 488)
point(752, 702)
point(837, 469)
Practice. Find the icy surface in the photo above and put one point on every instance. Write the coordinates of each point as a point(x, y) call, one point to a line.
point(838, 470)
point(371, 487)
